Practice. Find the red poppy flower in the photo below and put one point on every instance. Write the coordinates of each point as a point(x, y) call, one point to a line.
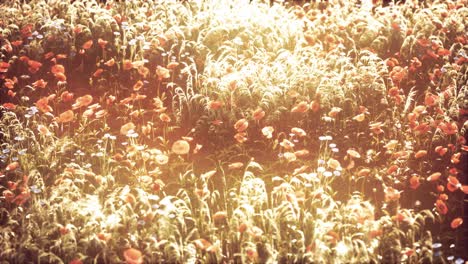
point(434, 176)
point(98, 73)
point(39, 84)
point(127, 65)
point(301, 107)
point(133, 256)
point(66, 117)
point(88, 44)
point(258, 114)
point(456, 223)
point(420, 154)
point(57, 68)
point(34, 66)
point(48, 55)
point(9, 106)
point(315, 106)
point(60, 77)
point(12, 166)
point(82, 101)
point(214, 105)
point(102, 43)
point(241, 125)
point(43, 105)
point(441, 207)
point(414, 182)
point(165, 117)
point(66, 96)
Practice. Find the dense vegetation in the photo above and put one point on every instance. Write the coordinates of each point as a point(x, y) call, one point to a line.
point(227, 131)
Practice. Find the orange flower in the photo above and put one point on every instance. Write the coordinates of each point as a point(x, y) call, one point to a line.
point(133, 256)
point(441, 150)
point(464, 188)
point(302, 107)
point(448, 128)
point(88, 44)
point(430, 99)
point(258, 114)
point(456, 223)
point(17, 43)
point(165, 117)
point(104, 236)
point(98, 73)
point(453, 183)
point(9, 106)
point(12, 166)
point(455, 159)
point(420, 154)
point(43, 105)
point(102, 43)
point(301, 153)
point(66, 96)
point(61, 56)
point(4, 66)
point(61, 77)
point(376, 127)
point(441, 207)
point(66, 117)
point(82, 101)
point(9, 83)
point(126, 128)
point(76, 261)
point(414, 182)
point(181, 147)
point(443, 52)
point(315, 106)
point(214, 105)
point(440, 188)
point(398, 74)
point(394, 91)
point(127, 65)
point(241, 125)
point(39, 84)
point(34, 66)
point(57, 68)
point(434, 176)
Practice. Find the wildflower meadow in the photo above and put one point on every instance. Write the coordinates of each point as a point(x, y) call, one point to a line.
point(233, 131)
